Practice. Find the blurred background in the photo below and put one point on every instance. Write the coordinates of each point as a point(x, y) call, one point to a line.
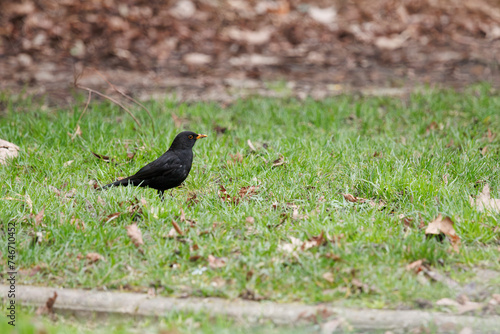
point(207, 49)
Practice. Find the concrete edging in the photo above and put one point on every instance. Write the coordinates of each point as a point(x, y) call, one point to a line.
point(135, 304)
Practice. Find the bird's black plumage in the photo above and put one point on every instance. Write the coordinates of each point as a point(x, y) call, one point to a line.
point(169, 170)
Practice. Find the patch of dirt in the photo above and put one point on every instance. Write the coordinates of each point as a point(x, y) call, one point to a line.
point(214, 50)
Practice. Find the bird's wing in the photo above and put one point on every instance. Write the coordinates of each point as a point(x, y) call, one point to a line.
point(164, 165)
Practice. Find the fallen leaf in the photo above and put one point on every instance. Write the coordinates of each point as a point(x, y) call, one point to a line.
point(220, 129)
point(236, 157)
point(436, 276)
point(224, 196)
point(331, 326)
point(468, 306)
point(445, 226)
point(249, 143)
point(490, 136)
point(172, 234)
point(415, 266)
point(484, 202)
point(111, 217)
point(292, 247)
point(39, 217)
point(78, 132)
point(362, 287)
point(447, 302)
point(130, 155)
point(104, 158)
point(177, 227)
point(7, 150)
point(248, 294)
point(94, 257)
point(216, 262)
point(407, 222)
point(248, 191)
point(296, 215)
point(250, 220)
point(328, 276)
point(48, 308)
point(134, 234)
point(354, 199)
point(79, 224)
point(55, 190)
point(314, 241)
point(191, 200)
point(279, 162)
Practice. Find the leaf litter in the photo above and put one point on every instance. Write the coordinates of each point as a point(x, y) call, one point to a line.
point(444, 226)
point(484, 202)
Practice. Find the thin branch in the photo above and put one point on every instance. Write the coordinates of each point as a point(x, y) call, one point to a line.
point(129, 98)
point(84, 110)
point(110, 99)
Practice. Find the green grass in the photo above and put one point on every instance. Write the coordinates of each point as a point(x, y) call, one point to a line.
point(172, 323)
point(383, 149)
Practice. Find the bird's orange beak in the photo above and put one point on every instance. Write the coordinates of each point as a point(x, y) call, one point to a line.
point(201, 136)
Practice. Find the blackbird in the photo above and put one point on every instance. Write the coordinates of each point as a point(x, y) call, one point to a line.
point(169, 170)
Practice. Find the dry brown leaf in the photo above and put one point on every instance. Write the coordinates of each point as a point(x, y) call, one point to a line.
point(48, 308)
point(177, 227)
point(447, 302)
point(39, 217)
point(350, 198)
point(490, 136)
point(236, 157)
point(465, 305)
point(248, 191)
point(216, 262)
point(79, 224)
point(191, 200)
point(220, 129)
point(104, 158)
point(279, 162)
point(224, 196)
point(250, 220)
point(7, 150)
point(436, 276)
point(248, 294)
point(407, 222)
point(292, 247)
point(354, 199)
point(445, 226)
point(78, 132)
point(328, 276)
point(484, 202)
point(94, 257)
point(249, 143)
point(55, 190)
point(172, 234)
point(415, 266)
point(134, 234)
point(111, 217)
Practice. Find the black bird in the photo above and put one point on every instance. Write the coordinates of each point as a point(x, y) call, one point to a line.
point(169, 170)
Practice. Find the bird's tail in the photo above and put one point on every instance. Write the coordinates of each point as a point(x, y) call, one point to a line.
point(122, 182)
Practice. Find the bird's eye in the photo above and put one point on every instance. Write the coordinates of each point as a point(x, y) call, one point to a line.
point(190, 137)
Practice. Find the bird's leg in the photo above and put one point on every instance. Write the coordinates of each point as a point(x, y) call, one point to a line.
point(160, 193)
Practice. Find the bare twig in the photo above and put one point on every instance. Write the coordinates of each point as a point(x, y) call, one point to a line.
point(77, 85)
point(85, 109)
point(129, 98)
